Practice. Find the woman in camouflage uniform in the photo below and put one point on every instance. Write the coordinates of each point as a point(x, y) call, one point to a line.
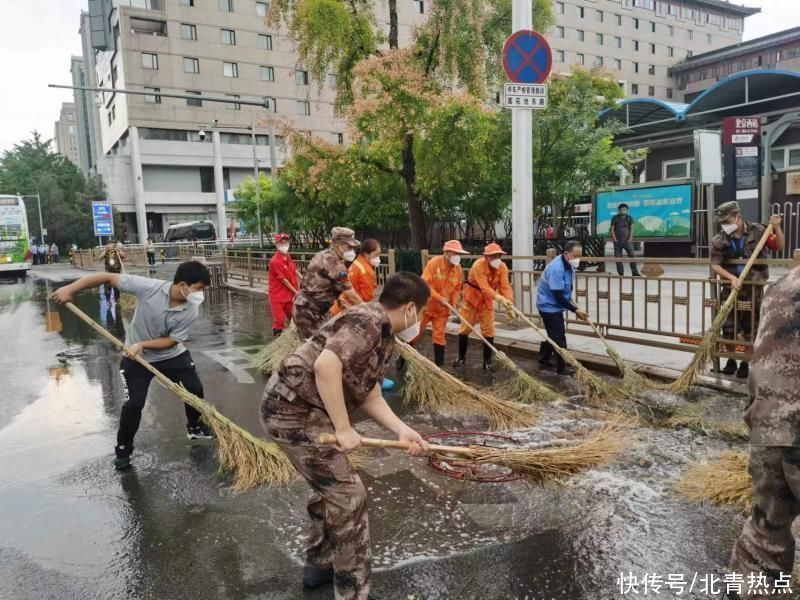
point(338, 370)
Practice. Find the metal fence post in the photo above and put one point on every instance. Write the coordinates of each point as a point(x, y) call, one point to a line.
point(393, 262)
point(225, 265)
point(797, 257)
point(250, 267)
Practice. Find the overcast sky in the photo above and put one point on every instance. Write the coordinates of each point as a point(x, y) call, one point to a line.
point(37, 38)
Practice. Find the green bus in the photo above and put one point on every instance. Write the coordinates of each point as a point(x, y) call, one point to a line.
point(15, 240)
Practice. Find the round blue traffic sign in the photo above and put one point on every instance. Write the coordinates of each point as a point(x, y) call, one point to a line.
point(527, 57)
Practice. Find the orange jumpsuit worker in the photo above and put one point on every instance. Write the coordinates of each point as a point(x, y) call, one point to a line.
point(362, 274)
point(487, 282)
point(444, 276)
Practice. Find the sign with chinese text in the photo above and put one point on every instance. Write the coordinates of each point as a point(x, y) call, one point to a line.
point(659, 212)
point(519, 95)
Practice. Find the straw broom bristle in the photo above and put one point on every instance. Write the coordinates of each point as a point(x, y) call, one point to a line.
point(521, 387)
point(691, 417)
point(433, 390)
point(127, 304)
point(553, 465)
point(723, 482)
point(271, 357)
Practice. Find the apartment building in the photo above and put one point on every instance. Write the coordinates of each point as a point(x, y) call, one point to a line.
point(640, 40)
point(157, 166)
point(65, 136)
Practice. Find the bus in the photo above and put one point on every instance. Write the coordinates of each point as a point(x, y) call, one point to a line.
point(15, 240)
point(201, 231)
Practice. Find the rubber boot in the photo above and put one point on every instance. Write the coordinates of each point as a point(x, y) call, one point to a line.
point(487, 356)
point(744, 370)
point(276, 332)
point(438, 355)
point(314, 577)
point(730, 367)
point(563, 368)
point(463, 342)
point(545, 353)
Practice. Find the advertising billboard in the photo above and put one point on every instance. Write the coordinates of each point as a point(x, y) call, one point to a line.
point(660, 213)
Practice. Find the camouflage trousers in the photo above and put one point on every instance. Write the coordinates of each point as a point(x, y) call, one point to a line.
point(308, 316)
point(765, 547)
point(339, 532)
point(742, 322)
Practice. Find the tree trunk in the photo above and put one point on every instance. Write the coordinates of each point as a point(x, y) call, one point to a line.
point(394, 43)
point(416, 214)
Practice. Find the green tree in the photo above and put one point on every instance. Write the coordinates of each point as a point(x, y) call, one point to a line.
point(32, 166)
point(247, 208)
point(573, 153)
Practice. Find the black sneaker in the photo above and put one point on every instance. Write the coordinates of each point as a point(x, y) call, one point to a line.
point(545, 364)
point(314, 577)
point(730, 367)
point(199, 432)
point(122, 463)
point(744, 370)
point(459, 363)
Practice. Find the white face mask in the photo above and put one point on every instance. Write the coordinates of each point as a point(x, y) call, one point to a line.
point(574, 262)
point(409, 333)
point(729, 228)
point(455, 260)
point(495, 264)
point(195, 298)
point(349, 255)
point(283, 248)
point(375, 262)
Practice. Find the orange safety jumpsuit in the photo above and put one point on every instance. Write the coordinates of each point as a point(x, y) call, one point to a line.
point(445, 281)
point(364, 280)
point(483, 285)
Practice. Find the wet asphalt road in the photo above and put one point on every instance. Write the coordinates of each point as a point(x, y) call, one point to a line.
point(72, 527)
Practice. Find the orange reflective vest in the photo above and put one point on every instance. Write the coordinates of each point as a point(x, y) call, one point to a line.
point(445, 281)
point(485, 283)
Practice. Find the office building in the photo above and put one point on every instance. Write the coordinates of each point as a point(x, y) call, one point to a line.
point(65, 136)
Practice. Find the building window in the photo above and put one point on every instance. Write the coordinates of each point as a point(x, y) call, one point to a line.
point(618, 19)
point(652, 27)
point(264, 41)
point(689, 54)
point(332, 80)
point(303, 107)
point(635, 23)
point(635, 67)
point(186, 2)
point(634, 88)
point(227, 37)
point(267, 74)
point(617, 64)
point(677, 169)
point(636, 45)
point(599, 39)
point(560, 56)
point(262, 9)
point(188, 32)
point(580, 11)
point(207, 180)
point(191, 65)
point(580, 35)
point(152, 99)
point(618, 41)
point(786, 157)
point(421, 4)
point(669, 93)
point(651, 90)
point(560, 31)
point(194, 102)
point(652, 48)
point(598, 62)
point(338, 138)
point(272, 105)
point(708, 38)
point(226, 5)
point(670, 51)
point(671, 30)
point(581, 59)
point(651, 70)
point(560, 8)
point(233, 105)
point(301, 77)
point(149, 61)
point(600, 16)
point(690, 33)
point(230, 69)
point(148, 26)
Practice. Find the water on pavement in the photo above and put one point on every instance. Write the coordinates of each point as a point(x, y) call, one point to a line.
point(171, 528)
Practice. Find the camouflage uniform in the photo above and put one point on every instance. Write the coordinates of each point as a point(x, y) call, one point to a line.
point(323, 282)
point(766, 544)
point(294, 416)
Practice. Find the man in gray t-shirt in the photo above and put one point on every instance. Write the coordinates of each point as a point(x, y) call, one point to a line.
point(622, 236)
point(164, 313)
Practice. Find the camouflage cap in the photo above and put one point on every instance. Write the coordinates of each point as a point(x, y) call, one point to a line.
point(728, 209)
point(344, 235)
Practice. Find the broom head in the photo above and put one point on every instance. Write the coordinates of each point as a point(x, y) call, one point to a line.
point(723, 482)
point(271, 357)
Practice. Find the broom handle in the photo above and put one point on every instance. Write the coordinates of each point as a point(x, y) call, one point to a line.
point(329, 438)
point(746, 271)
point(533, 325)
point(119, 345)
point(453, 310)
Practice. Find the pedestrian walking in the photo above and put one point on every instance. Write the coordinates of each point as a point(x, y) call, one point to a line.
point(165, 311)
point(43, 253)
point(324, 281)
point(738, 240)
point(34, 252)
point(622, 236)
point(112, 261)
point(553, 298)
point(764, 552)
point(150, 249)
point(444, 276)
point(335, 372)
point(362, 275)
point(487, 282)
point(53, 253)
point(282, 289)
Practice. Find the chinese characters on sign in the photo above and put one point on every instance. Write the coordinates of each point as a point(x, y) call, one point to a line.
point(678, 584)
point(519, 95)
point(103, 218)
point(741, 130)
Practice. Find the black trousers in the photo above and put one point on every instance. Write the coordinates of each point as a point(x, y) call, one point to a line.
point(628, 247)
point(137, 379)
point(151, 258)
point(557, 331)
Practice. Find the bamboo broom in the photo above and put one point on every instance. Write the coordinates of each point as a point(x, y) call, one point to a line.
point(127, 302)
point(598, 391)
point(251, 460)
point(723, 482)
point(632, 380)
point(433, 390)
point(520, 386)
point(705, 351)
point(541, 465)
point(272, 355)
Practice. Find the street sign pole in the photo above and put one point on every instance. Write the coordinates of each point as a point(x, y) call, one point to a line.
point(522, 171)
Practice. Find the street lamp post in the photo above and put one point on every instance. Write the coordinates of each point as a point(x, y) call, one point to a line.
point(255, 174)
